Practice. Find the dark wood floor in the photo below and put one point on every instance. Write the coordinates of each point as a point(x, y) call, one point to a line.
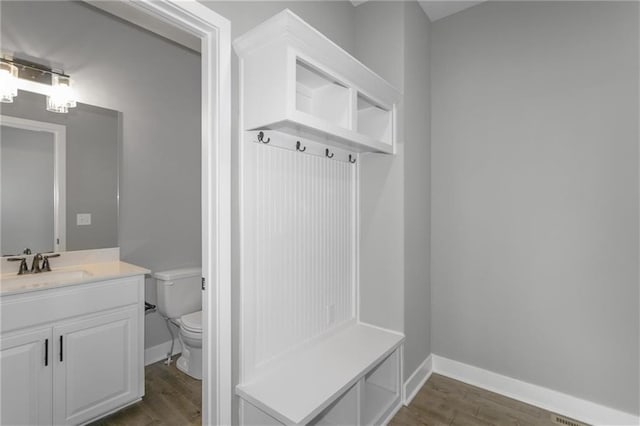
point(444, 401)
point(174, 399)
point(171, 399)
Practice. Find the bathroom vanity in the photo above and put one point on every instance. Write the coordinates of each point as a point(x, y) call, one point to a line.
point(71, 342)
point(71, 338)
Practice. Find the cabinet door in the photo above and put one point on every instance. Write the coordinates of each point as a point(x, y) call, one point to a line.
point(96, 365)
point(25, 376)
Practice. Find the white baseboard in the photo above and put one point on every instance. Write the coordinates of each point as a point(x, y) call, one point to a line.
point(557, 402)
point(159, 352)
point(417, 379)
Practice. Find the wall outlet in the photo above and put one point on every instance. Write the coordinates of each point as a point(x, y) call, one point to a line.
point(83, 219)
point(331, 314)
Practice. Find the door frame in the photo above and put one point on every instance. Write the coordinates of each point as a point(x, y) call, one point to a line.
point(214, 32)
point(59, 172)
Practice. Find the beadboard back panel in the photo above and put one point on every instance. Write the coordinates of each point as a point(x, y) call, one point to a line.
point(298, 247)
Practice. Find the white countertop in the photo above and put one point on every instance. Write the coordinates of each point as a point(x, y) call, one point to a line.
point(11, 283)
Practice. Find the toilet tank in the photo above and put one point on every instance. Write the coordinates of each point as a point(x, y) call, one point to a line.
point(179, 291)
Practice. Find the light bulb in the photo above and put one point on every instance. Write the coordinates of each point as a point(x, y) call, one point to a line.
point(8, 82)
point(62, 96)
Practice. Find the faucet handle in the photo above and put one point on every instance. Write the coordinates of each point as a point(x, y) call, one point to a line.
point(24, 269)
point(45, 263)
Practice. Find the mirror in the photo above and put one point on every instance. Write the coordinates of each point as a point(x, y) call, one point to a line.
point(58, 177)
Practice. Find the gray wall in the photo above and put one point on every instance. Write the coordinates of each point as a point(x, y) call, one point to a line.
point(535, 194)
point(121, 67)
point(380, 44)
point(94, 137)
point(417, 188)
point(27, 171)
point(392, 38)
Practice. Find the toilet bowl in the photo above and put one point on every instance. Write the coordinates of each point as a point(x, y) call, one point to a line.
point(180, 301)
point(190, 362)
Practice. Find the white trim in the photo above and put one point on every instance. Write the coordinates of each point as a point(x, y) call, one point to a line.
point(214, 32)
point(554, 401)
point(417, 379)
point(159, 352)
point(59, 172)
point(149, 23)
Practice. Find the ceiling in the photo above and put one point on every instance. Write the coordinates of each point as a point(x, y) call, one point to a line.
point(434, 9)
point(439, 9)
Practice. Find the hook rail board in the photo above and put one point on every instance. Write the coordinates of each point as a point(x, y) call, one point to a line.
point(302, 145)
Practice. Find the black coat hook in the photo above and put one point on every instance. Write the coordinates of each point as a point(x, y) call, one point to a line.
point(298, 147)
point(326, 153)
point(261, 136)
point(352, 160)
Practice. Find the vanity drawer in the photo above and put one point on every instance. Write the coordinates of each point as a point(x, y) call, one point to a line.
point(43, 307)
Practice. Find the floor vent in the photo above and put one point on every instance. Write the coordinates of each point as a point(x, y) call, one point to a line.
point(565, 421)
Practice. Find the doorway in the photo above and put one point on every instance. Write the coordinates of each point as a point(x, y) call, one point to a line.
point(213, 33)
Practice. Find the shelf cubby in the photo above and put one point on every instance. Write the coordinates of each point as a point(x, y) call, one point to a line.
point(380, 389)
point(321, 96)
point(344, 411)
point(374, 120)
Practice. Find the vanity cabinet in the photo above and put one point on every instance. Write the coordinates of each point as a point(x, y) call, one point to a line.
point(73, 354)
point(26, 381)
point(94, 365)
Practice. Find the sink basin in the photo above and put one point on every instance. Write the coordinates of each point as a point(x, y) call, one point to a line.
point(44, 278)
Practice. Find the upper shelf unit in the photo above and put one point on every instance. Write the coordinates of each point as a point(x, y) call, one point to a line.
point(296, 80)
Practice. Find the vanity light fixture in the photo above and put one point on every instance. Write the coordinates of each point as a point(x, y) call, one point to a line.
point(62, 97)
point(57, 86)
point(8, 81)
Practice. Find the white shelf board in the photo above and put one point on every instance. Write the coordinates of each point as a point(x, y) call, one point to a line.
point(307, 126)
point(305, 383)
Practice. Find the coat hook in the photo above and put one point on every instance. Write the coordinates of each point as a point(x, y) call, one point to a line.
point(352, 160)
point(261, 136)
point(326, 153)
point(298, 147)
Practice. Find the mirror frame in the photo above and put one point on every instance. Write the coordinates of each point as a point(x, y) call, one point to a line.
point(59, 172)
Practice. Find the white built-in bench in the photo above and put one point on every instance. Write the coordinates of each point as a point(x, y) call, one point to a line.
point(350, 377)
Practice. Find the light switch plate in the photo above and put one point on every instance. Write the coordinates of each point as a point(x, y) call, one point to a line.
point(83, 219)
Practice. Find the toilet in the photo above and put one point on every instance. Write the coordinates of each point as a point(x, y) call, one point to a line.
point(180, 300)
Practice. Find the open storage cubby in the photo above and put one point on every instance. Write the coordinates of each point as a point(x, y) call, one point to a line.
point(374, 120)
point(342, 412)
point(321, 96)
point(380, 389)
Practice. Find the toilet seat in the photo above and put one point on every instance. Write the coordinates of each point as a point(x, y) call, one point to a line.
point(192, 322)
